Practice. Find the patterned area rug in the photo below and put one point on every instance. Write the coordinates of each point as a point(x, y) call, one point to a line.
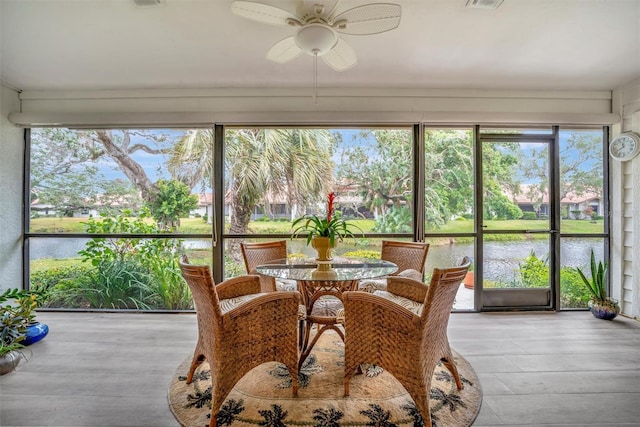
point(263, 396)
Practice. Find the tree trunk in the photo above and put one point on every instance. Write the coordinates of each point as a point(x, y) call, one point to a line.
point(240, 218)
point(128, 166)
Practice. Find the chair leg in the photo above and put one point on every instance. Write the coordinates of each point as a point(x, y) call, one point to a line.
point(451, 366)
point(419, 390)
point(198, 358)
point(293, 372)
point(301, 333)
point(218, 396)
point(448, 363)
point(349, 372)
point(346, 386)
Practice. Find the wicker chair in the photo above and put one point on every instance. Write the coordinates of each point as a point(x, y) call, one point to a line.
point(404, 330)
point(240, 328)
point(255, 254)
point(408, 256)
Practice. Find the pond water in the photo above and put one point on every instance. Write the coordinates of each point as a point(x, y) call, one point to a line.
point(501, 258)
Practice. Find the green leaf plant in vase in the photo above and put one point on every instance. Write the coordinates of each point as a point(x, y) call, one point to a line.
point(323, 233)
point(18, 326)
point(601, 306)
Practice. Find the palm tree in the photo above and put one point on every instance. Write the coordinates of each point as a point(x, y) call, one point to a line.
point(262, 163)
point(191, 161)
point(308, 168)
point(259, 164)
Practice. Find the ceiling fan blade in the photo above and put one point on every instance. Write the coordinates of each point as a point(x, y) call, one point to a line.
point(313, 8)
point(368, 19)
point(284, 51)
point(341, 56)
point(263, 13)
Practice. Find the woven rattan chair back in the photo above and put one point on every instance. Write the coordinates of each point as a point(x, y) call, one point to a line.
point(205, 300)
point(406, 255)
point(255, 254)
point(408, 345)
point(441, 295)
point(228, 338)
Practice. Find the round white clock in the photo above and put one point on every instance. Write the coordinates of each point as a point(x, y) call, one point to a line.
point(625, 146)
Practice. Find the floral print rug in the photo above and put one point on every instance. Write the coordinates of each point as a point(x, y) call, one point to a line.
point(263, 396)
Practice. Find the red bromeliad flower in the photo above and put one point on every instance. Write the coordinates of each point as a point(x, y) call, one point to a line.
point(333, 226)
point(331, 198)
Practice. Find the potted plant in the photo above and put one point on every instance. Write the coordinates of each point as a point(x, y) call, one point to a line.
point(15, 322)
point(601, 306)
point(324, 232)
point(469, 279)
point(34, 331)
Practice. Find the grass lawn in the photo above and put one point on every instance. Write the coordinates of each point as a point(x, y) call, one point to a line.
point(57, 225)
point(197, 225)
point(53, 263)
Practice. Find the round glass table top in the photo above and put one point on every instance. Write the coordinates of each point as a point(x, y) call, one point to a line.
point(339, 268)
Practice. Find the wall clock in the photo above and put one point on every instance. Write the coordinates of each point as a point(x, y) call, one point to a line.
point(625, 146)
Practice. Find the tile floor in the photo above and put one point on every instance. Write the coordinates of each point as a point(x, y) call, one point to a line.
point(546, 369)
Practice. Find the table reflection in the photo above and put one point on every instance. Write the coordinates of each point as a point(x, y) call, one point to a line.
point(337, 269)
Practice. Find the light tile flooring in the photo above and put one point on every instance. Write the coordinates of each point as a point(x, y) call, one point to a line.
point(113, 369)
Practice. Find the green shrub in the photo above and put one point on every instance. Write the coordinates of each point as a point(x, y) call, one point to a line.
point(232, 268)
point(117, 285)
point(396, 220)
point(171, 201)
point(47, 280)
point(573, 293)
point(363, 253)
point(100, 250)
point(153, 275)
point(168, 284)
point(57, 282)
point(534, 272)
point(529, 216)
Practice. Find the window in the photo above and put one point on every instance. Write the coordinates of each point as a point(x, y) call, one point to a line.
point(143, 192)
point(275, 175)
point(110, 210)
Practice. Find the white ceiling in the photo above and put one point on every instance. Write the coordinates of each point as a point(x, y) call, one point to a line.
point(524, 44)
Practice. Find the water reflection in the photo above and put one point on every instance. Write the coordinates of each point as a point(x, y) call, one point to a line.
point(501, 258)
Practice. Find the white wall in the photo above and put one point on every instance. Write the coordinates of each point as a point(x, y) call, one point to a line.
point(11, 176)
point(625, 197)
point(295, 106)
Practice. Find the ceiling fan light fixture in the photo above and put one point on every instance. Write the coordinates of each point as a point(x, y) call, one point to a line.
point(316, 39)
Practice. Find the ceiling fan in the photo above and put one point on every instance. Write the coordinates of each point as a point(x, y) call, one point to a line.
point(319, 26)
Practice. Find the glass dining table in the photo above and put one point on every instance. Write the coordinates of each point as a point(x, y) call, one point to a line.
point(324, 281)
